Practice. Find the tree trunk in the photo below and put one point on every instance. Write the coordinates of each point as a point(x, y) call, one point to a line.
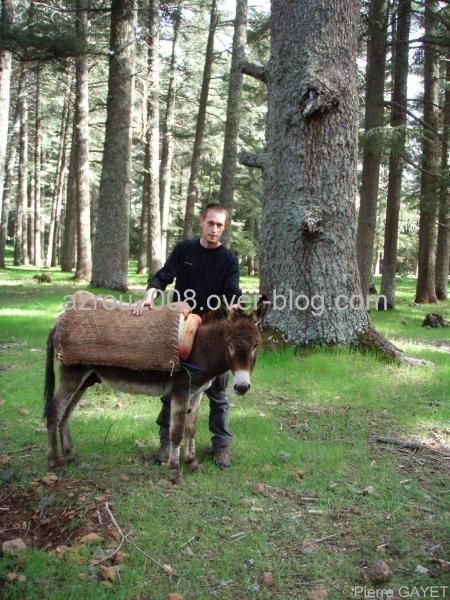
point(308, 216)
point(165, 179)
point(110, 268)
point(10, 164)
point(37, 258)
point(398, 120)
point(374, 106)
point(151, 170)
point(61, 164)
point(143, 232)
point(426, 288)
point(84, 252)
point(28, 246)
point(443, 242)
point(192, 193)
point(230, 146)
point(70, 213)
point(20, 233)
point(5, 79)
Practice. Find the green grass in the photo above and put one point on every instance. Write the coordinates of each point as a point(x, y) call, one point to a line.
point(315, 412)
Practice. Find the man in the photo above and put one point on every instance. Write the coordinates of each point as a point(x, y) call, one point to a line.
point(203, 269)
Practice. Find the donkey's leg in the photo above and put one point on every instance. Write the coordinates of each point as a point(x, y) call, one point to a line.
point(71, 380)
point(64, 431)
point(189, 431)
point(178, 405)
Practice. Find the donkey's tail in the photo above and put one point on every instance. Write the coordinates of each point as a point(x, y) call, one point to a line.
point(49, 376)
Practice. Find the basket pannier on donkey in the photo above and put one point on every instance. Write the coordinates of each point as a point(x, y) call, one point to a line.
point(97, 340)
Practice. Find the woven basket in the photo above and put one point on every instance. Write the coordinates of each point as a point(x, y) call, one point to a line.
point(96, 330)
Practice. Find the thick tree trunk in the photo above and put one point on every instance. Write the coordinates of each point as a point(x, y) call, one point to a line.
point(398, 120)
point(70, 213)
point(230, 146)
point(165, 179)
point(308, 216)
point(374, 106)
point(5, 79)
point(151, 171)
point(443, 242)
point(61, 164)
point(110, 268)
point(10, 164)
point(37, 258)
point(20, 233)
point(192, 193)
point(82, 178)
point(426, 289)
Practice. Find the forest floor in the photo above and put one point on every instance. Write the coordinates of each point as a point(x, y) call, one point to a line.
point(311, 503)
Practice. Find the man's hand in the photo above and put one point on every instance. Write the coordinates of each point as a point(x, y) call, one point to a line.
point(138, 307)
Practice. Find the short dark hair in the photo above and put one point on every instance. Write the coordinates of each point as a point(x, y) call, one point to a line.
point(217, 207)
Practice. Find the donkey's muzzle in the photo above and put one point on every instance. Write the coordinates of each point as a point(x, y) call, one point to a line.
point(241, 388)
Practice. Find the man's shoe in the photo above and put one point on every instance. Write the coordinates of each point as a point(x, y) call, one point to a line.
point(223, 458)
point(161, 456)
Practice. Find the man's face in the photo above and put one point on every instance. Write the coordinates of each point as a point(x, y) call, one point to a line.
point(212, 226)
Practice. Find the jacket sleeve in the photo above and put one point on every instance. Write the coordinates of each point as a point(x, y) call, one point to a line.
point(162, 278)
point(231, 289)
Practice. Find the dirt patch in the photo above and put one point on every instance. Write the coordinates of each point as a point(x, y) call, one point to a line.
point(46, 516)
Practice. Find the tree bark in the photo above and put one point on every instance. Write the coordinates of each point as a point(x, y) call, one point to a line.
point(375, 76)
point(61, 164)
point(443, 242)
point(398, 121)
point(81, 173)
point(10, 164)
point(5, 79)
point(37, 258)
point(426, 288)
point(70, 213)
point(20, 233)
point(151, 171)
point(165, 179)
point(110, 267)
point(230, 146)
point(192, 193)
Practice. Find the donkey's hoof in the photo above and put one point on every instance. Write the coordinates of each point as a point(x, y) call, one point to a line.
point(194, 466)
point(176, 477)
point(72, 457)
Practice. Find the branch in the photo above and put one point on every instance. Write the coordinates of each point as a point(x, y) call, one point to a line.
point(257, 71)
point(414, 117)
point(254, 161)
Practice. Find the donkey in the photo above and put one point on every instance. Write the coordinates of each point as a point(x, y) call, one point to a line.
point(223, 342)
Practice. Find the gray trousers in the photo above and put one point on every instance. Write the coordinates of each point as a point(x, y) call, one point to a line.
point(218, 415)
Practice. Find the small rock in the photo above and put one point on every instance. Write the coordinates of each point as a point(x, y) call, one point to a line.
point(50, 479)
point(14, 546)
point(318, 593)
point(247, 502)
point(91, 538)
point(174, 596)
point(421, 570)
point(82, 576)
point(24, 412)
point(258, 488)
point(124, 477)
point(119, 557)
point(380, 572)
point(444, 564)
point(299, 475)
point(267, 579)
point(11, 577)
point(4, 459)
point(253, 588)
point(61, 550)
point(284, 456)
point(227, 520)
point(22, 578)
point(108, 573)
point(368, 490)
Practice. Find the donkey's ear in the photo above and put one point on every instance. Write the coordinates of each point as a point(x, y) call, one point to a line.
point(235, 312)
point(261, 309)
